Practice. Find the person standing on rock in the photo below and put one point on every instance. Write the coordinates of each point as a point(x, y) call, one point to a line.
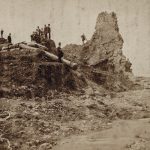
point(59, 53)
point(83, 38)
point(2, 32)
point(49, 31)
point(9, 38)
point(45, 31)
point(31, 37)
point(38, 31)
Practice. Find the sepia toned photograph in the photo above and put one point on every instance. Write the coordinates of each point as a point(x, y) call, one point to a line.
point(74, 74)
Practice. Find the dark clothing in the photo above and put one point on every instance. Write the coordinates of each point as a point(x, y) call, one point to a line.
point(2, 33)
point(39, 32)
point(37, 38)
point(32, 38)
point(45, 29)
point(60, 54)
point(49, 32)
point(48, 29)
point(45, 35)
point(9, 39)
point(83, 38)
point(45, 32)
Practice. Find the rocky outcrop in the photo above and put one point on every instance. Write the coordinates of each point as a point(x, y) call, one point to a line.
point(103, 54)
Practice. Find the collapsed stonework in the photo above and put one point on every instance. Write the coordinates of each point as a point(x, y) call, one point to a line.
point(103, 55)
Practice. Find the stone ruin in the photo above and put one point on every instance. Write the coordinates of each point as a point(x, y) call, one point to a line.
point(30, 73)
point(101, 58)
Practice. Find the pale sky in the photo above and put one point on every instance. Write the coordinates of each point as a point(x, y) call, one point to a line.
point(70, 18)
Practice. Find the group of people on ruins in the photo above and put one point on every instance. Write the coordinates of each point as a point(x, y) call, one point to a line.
point(41, 34)
point(44, 34)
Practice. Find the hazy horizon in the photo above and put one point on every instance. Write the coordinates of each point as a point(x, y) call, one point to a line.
point(70, 18)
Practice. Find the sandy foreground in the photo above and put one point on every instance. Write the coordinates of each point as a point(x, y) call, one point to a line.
point(124, 134)
point(127, 134)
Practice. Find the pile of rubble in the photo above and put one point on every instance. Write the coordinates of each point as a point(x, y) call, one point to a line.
point(100, 59)
point(31, 72)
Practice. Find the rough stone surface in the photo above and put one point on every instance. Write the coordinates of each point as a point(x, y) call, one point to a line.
point(103, 54)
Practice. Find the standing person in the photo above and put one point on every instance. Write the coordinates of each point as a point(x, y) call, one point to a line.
point(83, 38)
point(59, 52)
point(9, 38)
point(31, 37)
point(49, 31)
point(2, 32)
point(38, 31)
point(45, 31)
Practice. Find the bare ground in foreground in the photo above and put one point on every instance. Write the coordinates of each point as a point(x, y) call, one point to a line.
point(93, 119)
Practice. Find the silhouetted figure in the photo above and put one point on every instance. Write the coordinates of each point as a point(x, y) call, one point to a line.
point(45, 31)
point(38, 30)
point(32, 37)
point(2, 32)
point(83, 38)
point(59, 52)
point(9, 38)
point(49, 31)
